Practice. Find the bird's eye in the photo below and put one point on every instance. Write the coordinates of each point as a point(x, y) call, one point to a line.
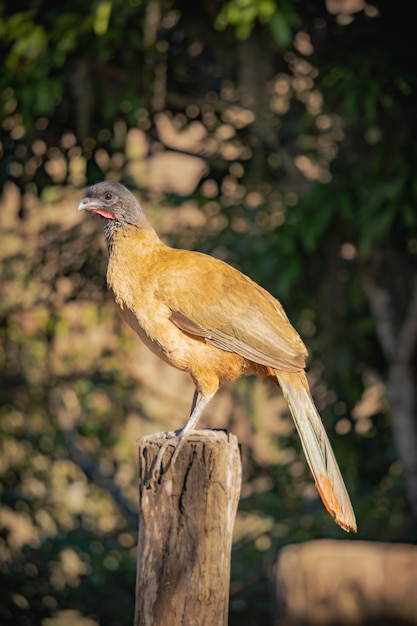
point(108, 196)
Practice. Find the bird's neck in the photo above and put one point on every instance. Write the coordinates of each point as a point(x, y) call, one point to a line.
point(133, 253)
point(141, 231)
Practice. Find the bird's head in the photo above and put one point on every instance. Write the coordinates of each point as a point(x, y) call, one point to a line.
point(115, 204)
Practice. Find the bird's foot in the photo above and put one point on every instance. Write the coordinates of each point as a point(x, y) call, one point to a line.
point(163, 434)
point(172, 438)
point(157, 464)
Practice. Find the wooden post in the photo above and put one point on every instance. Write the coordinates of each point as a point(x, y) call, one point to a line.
point(185, 531)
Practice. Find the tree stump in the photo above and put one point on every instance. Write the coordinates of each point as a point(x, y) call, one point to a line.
point(186, 522)
point(336, 583)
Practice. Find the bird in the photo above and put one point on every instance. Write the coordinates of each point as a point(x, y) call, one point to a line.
point(202, 316)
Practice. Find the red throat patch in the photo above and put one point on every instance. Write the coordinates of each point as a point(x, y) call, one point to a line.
point(103, 213)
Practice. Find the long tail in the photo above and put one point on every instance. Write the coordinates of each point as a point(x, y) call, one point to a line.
point(317, 448)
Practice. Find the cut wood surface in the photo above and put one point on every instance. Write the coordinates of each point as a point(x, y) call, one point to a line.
point(186, 520)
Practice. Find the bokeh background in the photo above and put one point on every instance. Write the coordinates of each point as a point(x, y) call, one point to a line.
point(278, 135)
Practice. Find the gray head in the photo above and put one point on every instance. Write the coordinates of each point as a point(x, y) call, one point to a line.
point(115, 204)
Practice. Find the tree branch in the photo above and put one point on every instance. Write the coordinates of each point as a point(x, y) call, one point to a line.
point(90, 468)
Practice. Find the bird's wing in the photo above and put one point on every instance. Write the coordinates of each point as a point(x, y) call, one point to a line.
point(214, 301)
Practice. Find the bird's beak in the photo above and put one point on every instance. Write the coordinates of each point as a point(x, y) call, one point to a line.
point(95, 206)
point(89, 204)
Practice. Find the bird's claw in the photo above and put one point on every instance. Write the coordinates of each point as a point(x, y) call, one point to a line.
point(172, 437)
point(176, 438)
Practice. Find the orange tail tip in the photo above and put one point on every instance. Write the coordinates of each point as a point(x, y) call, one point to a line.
point(332, 505)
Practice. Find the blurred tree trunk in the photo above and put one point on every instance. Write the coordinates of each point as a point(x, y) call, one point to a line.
point(255, 71)
point(397, 331)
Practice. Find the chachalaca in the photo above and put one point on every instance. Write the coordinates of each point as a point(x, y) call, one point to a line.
point(202, 316)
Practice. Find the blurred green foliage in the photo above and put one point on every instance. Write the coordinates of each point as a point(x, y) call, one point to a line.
point(305, 123)
point(244, 15)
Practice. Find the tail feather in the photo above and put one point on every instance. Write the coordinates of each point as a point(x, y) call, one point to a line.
point(317, 448)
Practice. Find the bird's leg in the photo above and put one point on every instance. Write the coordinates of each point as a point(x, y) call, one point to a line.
point(194, 402)
point(171, 434)
point(197, 407)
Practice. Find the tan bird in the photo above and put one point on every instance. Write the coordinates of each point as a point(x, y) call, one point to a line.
point(202, 316)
